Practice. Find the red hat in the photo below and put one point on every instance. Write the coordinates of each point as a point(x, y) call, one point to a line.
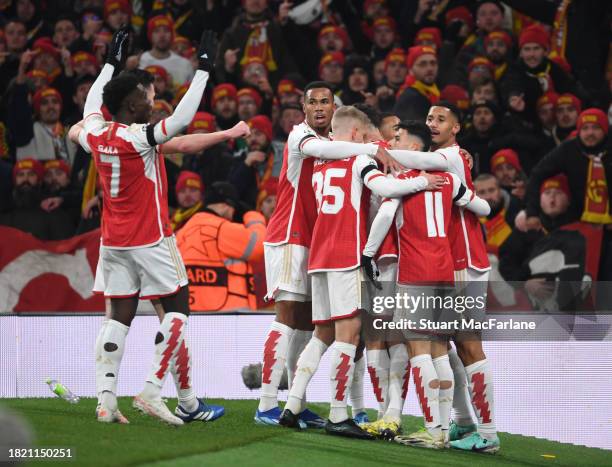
point(161, 104)
point(286, 86)
point(558, 181)
point(190, 179)
point(593, 115)
point(45, 45)
point(113, 5)
point(506, 156)
point(481, 62)
point(223, 90)
point(37, 73)
point(460, 13)
point(569, 99)
point(414, 53)
point(549, 97)
point(41, 94)
point(159, 21)
point(29, 164)
point(157, 70)
point(250, 92)
point(330, 58)
point(456, 95)
point(499, 34)
point(332, 29)
point(202, 121)
point(58, 164)
point(563, 63)
point(395, 55)
point(82, 56)
point(251, 60)
point(384, 21)
point(263, 124)
point(428, 35)
point(534, 34)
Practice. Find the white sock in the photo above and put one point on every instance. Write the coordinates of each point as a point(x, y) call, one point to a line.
point(180, 368)
point(356, 390)
point(342, 366)
point(98, 357)
point(423, 374)
point(167, 343)
point(461, 397)
point(306, 367)
point(399, 375)
point(113, 346)
point(480, 383)
point(296, 346)
point(445, 396)
point(378, 368)
point(274, 360)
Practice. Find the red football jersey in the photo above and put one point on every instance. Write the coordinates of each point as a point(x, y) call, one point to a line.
point(423, 222)
point(466, 237)
point(133, 179)
point(296, 211)
point(339, 233)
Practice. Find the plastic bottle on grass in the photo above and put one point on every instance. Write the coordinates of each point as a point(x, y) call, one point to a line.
point(62, 391)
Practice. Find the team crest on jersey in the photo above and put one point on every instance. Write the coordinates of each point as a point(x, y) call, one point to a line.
point(107, 149)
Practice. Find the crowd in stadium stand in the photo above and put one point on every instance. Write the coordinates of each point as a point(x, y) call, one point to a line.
point(533, 80)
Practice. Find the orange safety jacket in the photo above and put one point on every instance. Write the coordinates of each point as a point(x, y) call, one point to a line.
point(216, 253)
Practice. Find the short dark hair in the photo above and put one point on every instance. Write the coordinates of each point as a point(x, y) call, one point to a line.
point(117, 89)
point(143, 76)
point(319, 85)
point(451, 107)
point(384, 115)
point(372, 113)
point(416, 128)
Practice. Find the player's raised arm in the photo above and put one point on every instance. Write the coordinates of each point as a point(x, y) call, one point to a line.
point(464, 197)
point(117, 54)
point(188, 106)
point(190, 144)
point(420, 160)
point(322, 149)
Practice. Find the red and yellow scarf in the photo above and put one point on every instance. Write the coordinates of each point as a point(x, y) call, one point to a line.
point(596, 200)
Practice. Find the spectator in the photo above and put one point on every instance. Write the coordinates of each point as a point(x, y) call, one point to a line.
point(255, 74)
point(480, 69)
point(58, 191)
point(484, 90)
point(459, 97)
point(497, 224)
point(162, 82)
point(545, 107)
point(249, 103)
point(395, 75)
point(117, 13)
point(290, 115)
point(567, 109)
point(498, 45)
point(65, 32)
point(16, 41)
point(358, 81)
point(224, 104)
point(331, 68)
point(84, 63)
point(160, 32)
point(43, 137)
point(333, 39)
point(506, 167)
point(478, 138)
point(250, 172)
point(414, 102)
point(254, 34)
point(384, 34)
point(27, 214)
point(267, 198)
point(533, 74)
point(161, 109)
point(585, 162)
point(189, 190)
point(288, 92)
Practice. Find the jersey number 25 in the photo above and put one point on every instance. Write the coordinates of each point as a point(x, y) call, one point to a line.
point(330, 198)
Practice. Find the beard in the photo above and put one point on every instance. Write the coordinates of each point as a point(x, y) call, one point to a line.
point(27, 196)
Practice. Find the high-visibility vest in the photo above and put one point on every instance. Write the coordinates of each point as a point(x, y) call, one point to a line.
point(216, 253)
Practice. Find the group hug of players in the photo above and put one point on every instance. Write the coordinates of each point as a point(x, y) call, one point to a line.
point(317, 246)
point(337, 212)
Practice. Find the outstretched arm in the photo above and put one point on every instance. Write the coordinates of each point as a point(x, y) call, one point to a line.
point(186, 109)
point(190, 144)
point(420, 160)
point(322, 149)
point(380, 226)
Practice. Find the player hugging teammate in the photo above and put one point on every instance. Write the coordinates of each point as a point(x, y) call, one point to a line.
point(316, 247)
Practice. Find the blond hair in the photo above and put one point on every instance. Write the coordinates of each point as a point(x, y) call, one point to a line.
point(347, 115)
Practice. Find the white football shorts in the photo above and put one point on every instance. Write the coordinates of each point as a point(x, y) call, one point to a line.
point(287, 272)
point(335, 295)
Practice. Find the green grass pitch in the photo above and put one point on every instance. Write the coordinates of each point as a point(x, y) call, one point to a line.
point(236, 440)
